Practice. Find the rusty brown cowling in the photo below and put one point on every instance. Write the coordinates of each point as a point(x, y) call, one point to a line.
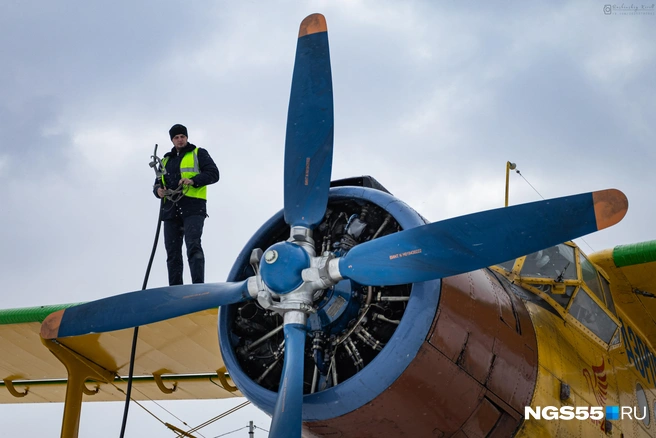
point(471, 378)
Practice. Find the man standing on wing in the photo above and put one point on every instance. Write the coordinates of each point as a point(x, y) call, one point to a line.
point(189, 170)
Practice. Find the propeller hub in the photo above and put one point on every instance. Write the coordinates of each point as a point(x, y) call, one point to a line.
point(283, 265)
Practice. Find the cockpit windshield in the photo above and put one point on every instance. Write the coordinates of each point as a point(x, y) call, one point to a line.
point(553, 275)
point(557, 262)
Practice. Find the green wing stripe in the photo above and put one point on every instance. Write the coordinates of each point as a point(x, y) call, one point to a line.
point(30, 314)
point(634, 254)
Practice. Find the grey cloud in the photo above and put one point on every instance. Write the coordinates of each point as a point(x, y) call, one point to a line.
point(32, 140)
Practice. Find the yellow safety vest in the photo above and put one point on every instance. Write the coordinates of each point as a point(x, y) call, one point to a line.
point(189, 169)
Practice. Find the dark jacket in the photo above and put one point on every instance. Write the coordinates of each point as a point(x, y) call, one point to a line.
point(209, 174)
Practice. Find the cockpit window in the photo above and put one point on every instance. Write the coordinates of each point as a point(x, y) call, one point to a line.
point(508, 266)
point(590, 276)
point(605, 286)
point(592, 316)
point(561, 294)
point(557, 262)
point(616, 338)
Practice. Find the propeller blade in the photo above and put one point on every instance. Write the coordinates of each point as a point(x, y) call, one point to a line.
point(474, 241)
point(309, 140)
point(287, 415)
point(140, 308)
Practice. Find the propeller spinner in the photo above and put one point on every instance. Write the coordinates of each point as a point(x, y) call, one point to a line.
point(290, 273)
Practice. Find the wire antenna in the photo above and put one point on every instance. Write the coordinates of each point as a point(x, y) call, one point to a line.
point(540, 195)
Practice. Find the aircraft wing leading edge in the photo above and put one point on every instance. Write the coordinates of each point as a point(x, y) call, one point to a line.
point(184, 351)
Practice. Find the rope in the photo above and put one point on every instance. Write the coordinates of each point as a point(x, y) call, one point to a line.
point(174, 195)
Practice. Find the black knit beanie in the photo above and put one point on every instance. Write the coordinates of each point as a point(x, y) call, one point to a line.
point(176, 130)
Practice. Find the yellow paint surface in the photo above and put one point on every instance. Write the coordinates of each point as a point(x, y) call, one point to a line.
point(184, 345)
point(597, 376)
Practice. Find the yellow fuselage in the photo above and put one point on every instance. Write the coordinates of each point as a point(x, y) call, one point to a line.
point(596, 376)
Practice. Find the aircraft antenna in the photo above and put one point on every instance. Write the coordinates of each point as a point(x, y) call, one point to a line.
point(509, 166)
point(527, 182)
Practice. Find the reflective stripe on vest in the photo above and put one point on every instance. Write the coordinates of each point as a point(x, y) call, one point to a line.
point(188, 169)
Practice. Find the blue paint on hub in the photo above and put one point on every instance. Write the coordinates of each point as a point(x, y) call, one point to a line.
point(282, 273)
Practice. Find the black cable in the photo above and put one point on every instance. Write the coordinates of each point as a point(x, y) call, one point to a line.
point(129, 391)
point(136, 329)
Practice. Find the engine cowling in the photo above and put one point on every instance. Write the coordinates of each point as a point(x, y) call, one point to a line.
point(426, 359)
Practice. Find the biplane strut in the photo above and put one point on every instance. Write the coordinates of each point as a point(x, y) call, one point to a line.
point(79, 370)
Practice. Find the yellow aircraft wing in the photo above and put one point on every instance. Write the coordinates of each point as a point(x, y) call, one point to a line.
point(632, 274)
point(181, 353)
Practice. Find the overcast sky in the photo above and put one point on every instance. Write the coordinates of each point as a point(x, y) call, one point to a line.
point(431, 98)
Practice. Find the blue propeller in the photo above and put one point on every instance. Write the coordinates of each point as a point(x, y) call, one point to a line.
point(308, 165)
point(309, 140)
point(474, 241)
point(142, 307)
point(287, 418)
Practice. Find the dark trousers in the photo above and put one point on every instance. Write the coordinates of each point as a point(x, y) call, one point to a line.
point(191, 228)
